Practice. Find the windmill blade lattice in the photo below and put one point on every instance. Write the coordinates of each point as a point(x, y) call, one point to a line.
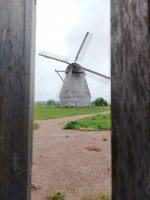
point(96, 77)
point(96, 73)
point(84, 46)
point(54, 56)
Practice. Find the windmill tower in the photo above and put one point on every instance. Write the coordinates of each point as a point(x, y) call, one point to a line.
point(75, 91)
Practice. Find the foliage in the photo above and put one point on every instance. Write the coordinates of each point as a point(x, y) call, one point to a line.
point(44, 112)
point(100, 102)
point(98, 122)
point(40, 103)
point(55, 195)
point(99, 197)
point(52, 102)
point(35, 125)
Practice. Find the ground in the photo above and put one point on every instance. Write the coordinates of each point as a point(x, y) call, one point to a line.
point(62, 162)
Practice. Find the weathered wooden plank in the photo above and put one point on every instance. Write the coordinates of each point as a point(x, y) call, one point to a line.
point(16, 96)
point(130, 99)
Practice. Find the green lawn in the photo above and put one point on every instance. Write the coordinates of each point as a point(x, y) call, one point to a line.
point(97, 122)
point(45, 112)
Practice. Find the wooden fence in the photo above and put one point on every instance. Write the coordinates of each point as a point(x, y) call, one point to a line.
point(130, 72)
point(17, 29)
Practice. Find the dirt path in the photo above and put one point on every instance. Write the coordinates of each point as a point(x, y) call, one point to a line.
point(62, 163)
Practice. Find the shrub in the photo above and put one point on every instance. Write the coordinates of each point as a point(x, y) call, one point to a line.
point(100, 102)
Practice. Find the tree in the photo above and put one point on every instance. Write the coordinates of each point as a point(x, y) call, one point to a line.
point(100, 102)
point(52, 102)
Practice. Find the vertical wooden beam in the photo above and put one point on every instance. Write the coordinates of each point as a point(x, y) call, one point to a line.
point(130, 100)
point(16, 97)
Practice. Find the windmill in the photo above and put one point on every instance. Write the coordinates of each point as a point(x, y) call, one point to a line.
point(75, 91)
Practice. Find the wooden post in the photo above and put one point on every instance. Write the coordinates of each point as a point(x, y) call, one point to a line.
point(16, 97)
point(130, 99)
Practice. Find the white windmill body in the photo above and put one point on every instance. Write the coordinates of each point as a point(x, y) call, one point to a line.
point(75, 91)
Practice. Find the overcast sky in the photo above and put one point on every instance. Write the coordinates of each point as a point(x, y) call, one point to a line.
point(61, 26)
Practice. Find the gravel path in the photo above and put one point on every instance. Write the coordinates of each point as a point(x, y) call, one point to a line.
point(62, 163)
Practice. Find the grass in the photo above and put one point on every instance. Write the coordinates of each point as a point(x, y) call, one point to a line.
point(35, 126)
point(44, 112)
point(93, 148)
point(55, 195)
point(98, 122)
point(99, 197)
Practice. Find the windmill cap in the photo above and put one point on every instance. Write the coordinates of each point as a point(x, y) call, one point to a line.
point(75, 68)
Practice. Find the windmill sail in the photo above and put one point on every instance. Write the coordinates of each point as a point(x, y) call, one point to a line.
point(54, 56)
point(96, 73)
point(84, 46)
point(95, 77)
